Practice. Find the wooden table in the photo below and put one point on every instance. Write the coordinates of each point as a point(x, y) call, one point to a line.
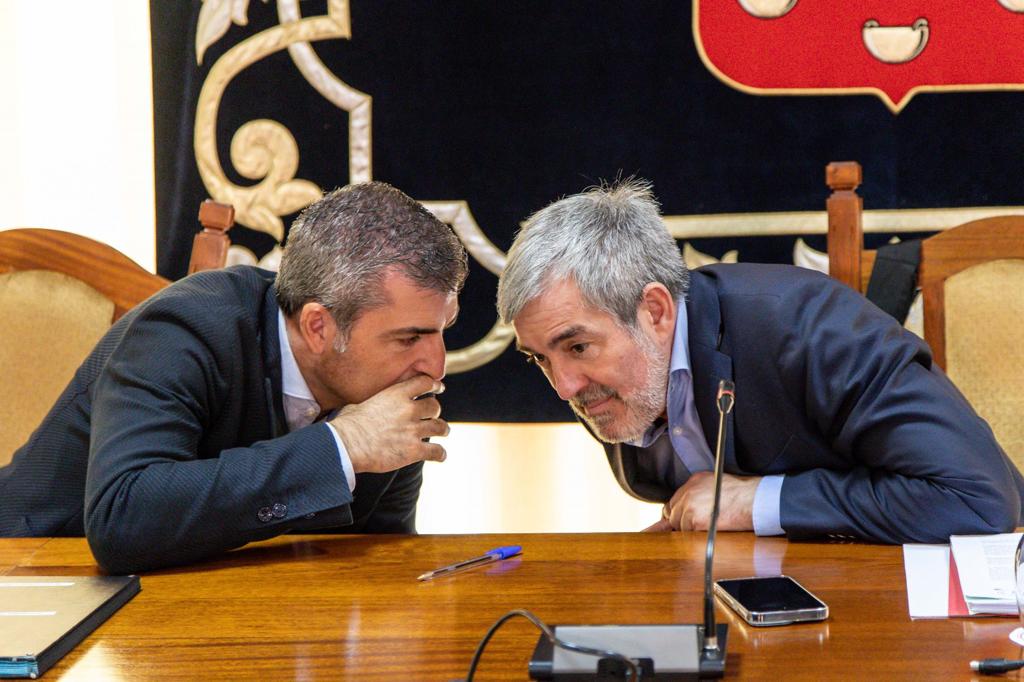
point(326, 607)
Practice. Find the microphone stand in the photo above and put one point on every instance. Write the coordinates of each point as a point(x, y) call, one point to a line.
point(726, 399)
point(665, 652)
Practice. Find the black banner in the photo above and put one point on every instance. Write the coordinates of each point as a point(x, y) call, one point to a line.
point(508, 106)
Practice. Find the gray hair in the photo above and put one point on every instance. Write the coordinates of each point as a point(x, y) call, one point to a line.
point(610, 240)
point(340, 248)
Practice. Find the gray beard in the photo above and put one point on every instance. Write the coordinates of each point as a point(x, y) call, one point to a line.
point(642, 408)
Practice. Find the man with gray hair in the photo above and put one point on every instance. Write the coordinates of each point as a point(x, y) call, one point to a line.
point(233, 406)
point(842, 427)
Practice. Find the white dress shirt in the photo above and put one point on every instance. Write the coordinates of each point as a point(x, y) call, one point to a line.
point(300, 407)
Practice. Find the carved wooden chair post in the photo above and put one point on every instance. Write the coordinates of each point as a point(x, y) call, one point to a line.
point(845, 227)
point(210, 247)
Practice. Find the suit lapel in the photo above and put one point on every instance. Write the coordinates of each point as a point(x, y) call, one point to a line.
point(708, 363)
point(622, 460)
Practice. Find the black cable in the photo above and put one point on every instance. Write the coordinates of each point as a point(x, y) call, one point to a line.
point(634, 672)
point(994, 666)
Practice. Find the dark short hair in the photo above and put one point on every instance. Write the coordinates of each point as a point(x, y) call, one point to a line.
point(341, 247)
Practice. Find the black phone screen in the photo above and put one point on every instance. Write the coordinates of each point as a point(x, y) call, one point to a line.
point(777, 593)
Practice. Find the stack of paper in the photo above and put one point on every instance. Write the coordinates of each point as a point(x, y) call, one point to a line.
point(986, 567)
point(975, 578)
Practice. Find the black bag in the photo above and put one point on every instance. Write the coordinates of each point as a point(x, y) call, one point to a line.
point(893, 282)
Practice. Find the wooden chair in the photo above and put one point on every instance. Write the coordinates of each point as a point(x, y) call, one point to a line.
point(59, 293)
point(972, 281)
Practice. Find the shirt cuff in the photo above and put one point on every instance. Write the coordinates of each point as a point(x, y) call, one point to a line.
point(768, 506)
point(346, 461)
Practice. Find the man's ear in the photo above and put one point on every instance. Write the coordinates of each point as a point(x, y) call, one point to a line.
point(318, 328)
point(657, 309)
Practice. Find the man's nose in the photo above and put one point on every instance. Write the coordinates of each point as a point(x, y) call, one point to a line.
point(567, 383)
point(432, 361)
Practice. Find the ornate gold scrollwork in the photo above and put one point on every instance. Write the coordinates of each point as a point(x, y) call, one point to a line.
point(266, 151)
point(263, 148)
point(458, 215)
point(342, 95)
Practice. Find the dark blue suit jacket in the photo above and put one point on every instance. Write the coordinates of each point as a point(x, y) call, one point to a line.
point(171, 439)
point(874, 440)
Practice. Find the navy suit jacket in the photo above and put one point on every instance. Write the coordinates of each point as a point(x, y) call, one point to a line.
point(171, 439)
point(875, 442)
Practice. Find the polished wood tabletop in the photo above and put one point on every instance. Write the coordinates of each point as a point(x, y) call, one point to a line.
point(350, 607)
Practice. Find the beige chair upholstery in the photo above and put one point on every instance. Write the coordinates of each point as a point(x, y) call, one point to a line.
point(985, 346)
point(971, 279)
point(59, 293)
point(51, 322)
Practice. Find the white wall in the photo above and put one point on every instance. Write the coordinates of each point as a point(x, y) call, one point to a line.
point(76, 121)
point(525, 478)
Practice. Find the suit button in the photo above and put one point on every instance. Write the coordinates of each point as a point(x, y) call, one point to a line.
point(311, 515)
point(279, 510)
point(265, 514)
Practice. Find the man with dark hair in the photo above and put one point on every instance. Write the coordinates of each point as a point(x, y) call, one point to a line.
point(842, 425)
point(195, 424)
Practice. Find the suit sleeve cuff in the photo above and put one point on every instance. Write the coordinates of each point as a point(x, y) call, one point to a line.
point(768, 505)
point(346, 461)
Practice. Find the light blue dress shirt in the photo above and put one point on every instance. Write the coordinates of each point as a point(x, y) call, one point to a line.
point(300, 407)
point(672, 459)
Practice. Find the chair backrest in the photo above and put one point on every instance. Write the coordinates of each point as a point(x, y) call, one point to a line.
point(59, 293)
point(971, 279)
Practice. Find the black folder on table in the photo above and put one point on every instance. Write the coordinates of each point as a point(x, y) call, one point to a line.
point(44, 617)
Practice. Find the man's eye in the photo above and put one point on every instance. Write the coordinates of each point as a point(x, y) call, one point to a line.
point(578, 348)
point(535, 359)
point(409, 340)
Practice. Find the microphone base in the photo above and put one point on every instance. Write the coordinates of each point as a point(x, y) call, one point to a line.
point(664, 652)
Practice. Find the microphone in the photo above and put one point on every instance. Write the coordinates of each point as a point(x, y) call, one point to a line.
point(685, 651)
point(726, 399)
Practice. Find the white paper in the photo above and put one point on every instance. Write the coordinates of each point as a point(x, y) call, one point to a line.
point(985, 564)
point(986, 567)
point(927, 571)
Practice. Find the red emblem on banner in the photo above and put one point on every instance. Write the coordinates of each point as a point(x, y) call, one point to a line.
point(890, 48)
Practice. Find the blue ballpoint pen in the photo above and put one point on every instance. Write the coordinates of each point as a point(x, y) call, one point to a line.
point(496, 554)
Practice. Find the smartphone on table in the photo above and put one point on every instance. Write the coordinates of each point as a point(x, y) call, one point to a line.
point(774, 600)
